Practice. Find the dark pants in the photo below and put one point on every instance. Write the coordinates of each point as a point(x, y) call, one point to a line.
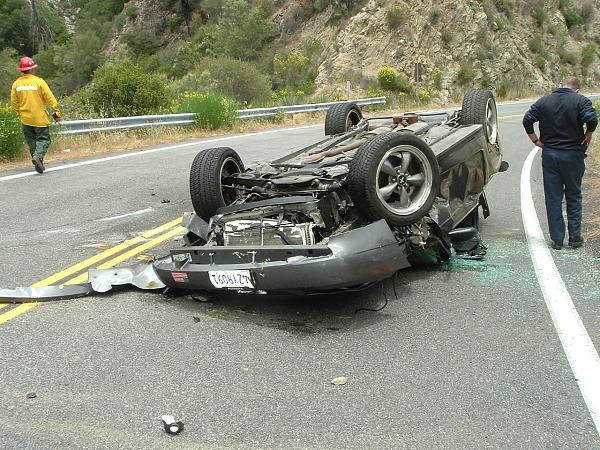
point(563, 171)
point(38, 140)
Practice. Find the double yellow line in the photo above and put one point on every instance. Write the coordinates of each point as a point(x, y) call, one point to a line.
point(137, 245)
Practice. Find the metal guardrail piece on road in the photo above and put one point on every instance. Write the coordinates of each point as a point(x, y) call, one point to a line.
point(69, 127)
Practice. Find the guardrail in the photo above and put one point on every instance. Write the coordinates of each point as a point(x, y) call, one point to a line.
point(130, 123)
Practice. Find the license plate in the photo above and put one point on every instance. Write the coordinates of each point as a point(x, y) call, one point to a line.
point(231, 279)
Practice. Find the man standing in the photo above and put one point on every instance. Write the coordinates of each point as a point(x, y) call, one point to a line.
point(563, 140)
point(29, 97)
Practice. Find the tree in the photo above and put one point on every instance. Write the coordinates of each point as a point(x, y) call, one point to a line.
point(241, 31)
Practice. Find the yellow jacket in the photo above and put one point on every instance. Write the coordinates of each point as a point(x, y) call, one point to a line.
point(29, 97)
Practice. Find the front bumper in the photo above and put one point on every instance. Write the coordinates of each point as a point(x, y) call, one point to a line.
point(349, 260)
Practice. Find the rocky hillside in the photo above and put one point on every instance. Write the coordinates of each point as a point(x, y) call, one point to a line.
point(296, 48)
point(510, 45)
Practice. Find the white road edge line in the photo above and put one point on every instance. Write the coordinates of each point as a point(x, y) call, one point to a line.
point(154, 150)
point(581, 353)
point(135, 213)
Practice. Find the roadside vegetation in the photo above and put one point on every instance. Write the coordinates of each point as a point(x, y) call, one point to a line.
point(105, 58)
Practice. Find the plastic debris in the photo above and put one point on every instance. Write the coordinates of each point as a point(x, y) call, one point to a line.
point(172, 426)
point(338, 381)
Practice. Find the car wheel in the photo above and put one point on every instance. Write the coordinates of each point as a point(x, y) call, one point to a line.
point(341, 117)
point(394, 176)
point(479, 108)
point(210, 180)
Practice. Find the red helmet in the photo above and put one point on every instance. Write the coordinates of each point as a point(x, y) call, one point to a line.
point(26, 63)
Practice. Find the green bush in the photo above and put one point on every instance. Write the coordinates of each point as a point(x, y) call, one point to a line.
point(403, 85)
point(539, 13)
point(11, 134)
point(241, 32)
point(435, 15)
point(465, 74)
point(536, 45)
point(212, 111)
point(540, 62)
point(238, 79)
point(446, 36)
point(424, 95)
point(124, 89)
point(395, 16)
point(8, 74)
point(387, 77)
point(567, 56)
point(587, 54)
point(572, 19)
point(294, 71)
point(438, 79)
point(502, 88)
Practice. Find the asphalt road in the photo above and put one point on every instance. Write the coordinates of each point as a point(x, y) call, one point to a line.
point(463, 356)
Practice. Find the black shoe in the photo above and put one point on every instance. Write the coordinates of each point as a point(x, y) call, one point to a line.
point(38, 164)
point(576, 242)
point(556, 245)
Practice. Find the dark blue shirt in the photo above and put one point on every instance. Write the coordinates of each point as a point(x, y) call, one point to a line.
point(562, 115)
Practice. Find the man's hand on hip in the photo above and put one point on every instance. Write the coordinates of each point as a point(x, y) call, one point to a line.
point(588, 138)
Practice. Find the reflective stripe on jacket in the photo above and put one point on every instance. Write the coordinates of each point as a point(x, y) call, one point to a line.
point(29, 97)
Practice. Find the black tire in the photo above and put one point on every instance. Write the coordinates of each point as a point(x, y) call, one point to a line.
point(479, 108)
point(341, 117)
point(212, 168)
point(383, 178)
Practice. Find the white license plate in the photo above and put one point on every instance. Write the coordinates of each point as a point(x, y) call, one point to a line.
point(231, 278)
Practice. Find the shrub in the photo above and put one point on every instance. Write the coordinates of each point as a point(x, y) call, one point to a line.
point(143, 40)
point(131, 11)
point(403, 85)
point(446, 36)
point(587, 55)
point(572, 19)
point(373, 92)
point(387, 77)
point(8, 74)
point(11, 135)
point(465, 74)
point(124, 89)
point(536, 45)
point(241, 33)
point(539, 13)
point(435, 15)
point(438, 79)
point(588, 10)
point(540, 62)
point(294, 71)
point(566, 56)
point(238, 79)
point(212, 111)
point(424, 95)
point(395, 16)
point(502, 88)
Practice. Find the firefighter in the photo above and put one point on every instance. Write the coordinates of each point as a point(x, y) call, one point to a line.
point(29, 97)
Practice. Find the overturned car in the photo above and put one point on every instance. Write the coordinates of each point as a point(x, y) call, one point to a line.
point(375, 196)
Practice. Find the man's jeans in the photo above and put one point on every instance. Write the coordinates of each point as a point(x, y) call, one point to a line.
point(38, 140)
point(563, 171)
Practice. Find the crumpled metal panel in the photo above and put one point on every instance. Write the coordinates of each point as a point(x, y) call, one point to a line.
point(140, 275)
point(44, 293)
